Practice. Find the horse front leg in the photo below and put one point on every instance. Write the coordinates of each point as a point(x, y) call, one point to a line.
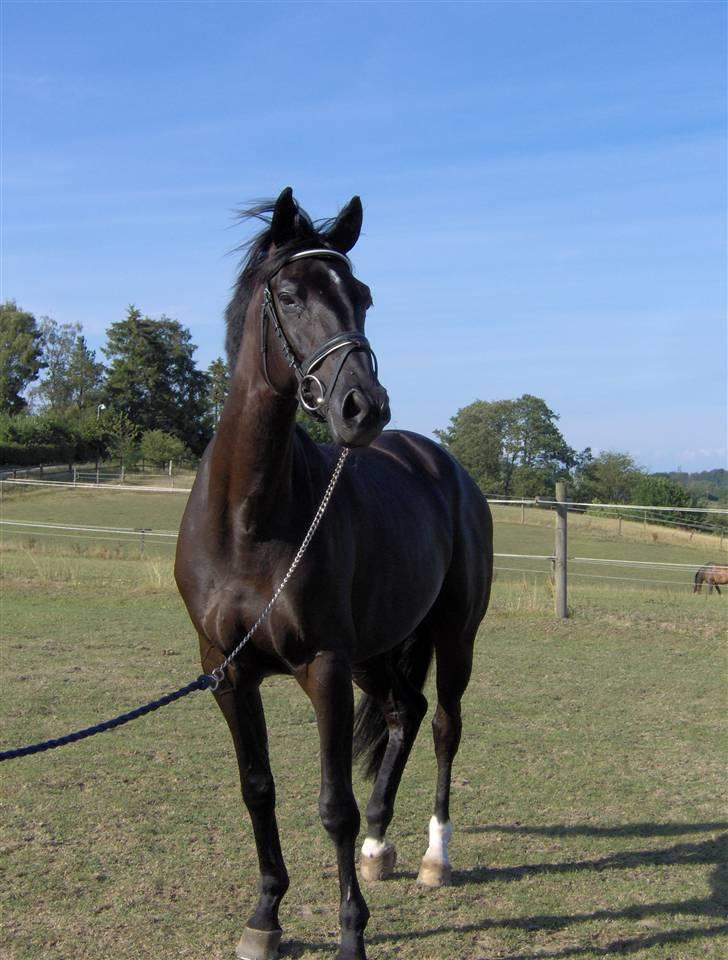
point(328, 683)
point(243, 710)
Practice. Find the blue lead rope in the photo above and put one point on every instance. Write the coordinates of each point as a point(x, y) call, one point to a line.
point(203, 682)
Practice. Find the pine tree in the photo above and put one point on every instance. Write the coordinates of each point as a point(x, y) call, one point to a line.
point(219, 384)
point(20, 355)
point(152, 377)
point(72, 377)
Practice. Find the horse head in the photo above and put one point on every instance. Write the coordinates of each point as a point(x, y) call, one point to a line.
point(316, 308)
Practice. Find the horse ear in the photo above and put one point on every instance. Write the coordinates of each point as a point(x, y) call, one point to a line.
point(283, 223)
point(347, 226)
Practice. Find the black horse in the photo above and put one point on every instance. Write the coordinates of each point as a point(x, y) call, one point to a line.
point(399, 570)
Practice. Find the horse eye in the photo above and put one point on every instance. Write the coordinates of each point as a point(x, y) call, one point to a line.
point(287, 300)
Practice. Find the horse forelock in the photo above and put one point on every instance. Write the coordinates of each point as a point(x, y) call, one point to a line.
point(259, 263)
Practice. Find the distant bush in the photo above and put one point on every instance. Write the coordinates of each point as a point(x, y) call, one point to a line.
point(159, 447)
point(22, 455)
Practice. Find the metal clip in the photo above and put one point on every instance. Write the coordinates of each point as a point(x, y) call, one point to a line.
point(216, 677)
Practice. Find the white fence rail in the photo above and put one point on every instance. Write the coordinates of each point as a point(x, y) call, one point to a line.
point(145, 536)
point(559, 566)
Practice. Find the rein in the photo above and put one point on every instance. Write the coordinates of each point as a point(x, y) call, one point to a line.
point(206, 681)
point(312, 394)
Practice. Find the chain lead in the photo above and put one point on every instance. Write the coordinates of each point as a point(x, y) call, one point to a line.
point(218, 674)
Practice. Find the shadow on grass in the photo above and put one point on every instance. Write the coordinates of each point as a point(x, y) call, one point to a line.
point(590, 830)
point(714, 906)
point(679, 854)
point(623, 946)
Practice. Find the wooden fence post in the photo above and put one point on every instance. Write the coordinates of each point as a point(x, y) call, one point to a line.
point(562, 609)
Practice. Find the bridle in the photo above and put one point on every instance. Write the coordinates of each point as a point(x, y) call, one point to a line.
point(313, 395)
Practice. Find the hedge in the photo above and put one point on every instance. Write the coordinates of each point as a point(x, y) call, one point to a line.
point(23, 455)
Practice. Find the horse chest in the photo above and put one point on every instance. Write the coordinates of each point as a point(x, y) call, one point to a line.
point(288, 632)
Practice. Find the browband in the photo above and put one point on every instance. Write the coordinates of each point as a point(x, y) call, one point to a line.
point(322, 252)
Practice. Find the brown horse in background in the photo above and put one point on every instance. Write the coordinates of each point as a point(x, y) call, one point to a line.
point(711, 575)
point(398, 573)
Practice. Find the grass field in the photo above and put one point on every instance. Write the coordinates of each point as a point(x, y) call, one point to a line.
point(589, 797)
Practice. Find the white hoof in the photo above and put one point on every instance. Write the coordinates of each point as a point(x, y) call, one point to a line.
point(377, 860)
point(435, 870)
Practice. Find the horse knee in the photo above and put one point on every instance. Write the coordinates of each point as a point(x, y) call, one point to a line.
point(259, 792)
point(339, 816)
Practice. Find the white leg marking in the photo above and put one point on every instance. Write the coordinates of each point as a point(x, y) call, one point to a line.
point(377, 859)
point(373, 848)
point(440, 834)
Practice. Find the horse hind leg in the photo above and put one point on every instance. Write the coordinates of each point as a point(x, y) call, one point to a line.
point(454, 663)
point(401, 707)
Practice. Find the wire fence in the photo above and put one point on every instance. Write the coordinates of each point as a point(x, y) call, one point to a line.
point(27, 519)
point(664, 573)
point(174, 477)
point(136, 536)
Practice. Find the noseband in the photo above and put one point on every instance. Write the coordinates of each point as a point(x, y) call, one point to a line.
point(312, 394)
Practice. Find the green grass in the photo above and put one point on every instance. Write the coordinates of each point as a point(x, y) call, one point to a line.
point(589, 795)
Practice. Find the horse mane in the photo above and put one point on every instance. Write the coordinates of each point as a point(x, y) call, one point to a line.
point(256, 253)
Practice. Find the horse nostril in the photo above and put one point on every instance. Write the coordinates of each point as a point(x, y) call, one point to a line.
point(354, 406)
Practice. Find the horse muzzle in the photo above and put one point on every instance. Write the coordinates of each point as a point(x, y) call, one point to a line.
point(360, 417)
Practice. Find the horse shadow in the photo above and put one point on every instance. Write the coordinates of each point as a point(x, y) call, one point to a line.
point(713, 907)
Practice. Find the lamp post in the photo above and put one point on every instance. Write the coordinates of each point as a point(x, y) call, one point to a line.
point(99, 408)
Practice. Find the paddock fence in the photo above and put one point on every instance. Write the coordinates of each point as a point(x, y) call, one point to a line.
point(538, 541)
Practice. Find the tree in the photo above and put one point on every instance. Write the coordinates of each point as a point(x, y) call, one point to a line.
point(652, 490)
point(94, 437)
point(473, 439)
point(657, 491)
point(218, 385)
point(159, 447)
point(85, 377)
point(511, 447)
point(122, 438)
point(72, 377)
point(152, 377)
point(20, 355)
point(45, 428)
point(318, 430)
point(608, 478)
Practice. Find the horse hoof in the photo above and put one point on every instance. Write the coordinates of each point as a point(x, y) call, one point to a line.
point(434, 874)
point(258, 944)
point(380, 866)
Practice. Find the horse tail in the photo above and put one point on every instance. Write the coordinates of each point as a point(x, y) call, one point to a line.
point(412, 661)
point(698, 580)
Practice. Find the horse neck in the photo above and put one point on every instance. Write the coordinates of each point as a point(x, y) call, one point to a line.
point(252, 459)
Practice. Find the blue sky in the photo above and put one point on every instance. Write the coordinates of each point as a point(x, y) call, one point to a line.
point(544, 186)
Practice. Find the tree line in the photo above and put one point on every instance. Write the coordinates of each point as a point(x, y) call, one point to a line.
point(514, 448)
point(149, 399)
